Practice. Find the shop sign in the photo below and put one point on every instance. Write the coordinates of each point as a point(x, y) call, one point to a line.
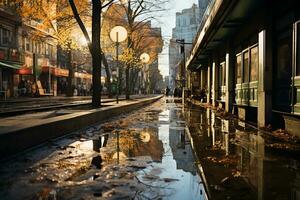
point(61, 72)
point(56, 71)
point(24, 71)
point(83, 75)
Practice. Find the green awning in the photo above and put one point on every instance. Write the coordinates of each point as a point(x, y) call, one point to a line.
point(13, 66)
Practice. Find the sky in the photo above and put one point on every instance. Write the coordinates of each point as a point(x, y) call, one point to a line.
point(167, 22)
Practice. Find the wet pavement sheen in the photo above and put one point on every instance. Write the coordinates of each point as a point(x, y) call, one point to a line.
point(144, 155)
point(238, 160)
point(154, 153)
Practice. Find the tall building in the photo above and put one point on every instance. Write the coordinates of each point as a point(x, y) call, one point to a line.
point(202, 4)
point(187, 22)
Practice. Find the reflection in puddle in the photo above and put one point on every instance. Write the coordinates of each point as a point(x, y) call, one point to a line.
point(99, 142)
point(175, 174)
point(164, 153)
point(235, 160)
point(96, 161)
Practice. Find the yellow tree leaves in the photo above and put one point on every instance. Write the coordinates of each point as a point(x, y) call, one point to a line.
point(52, 18)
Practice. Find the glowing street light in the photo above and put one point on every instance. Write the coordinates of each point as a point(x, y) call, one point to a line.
point(145, 58)
point(118, 34)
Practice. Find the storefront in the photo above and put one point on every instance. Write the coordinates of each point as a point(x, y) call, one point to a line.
point(83, 83)
point(55, 78)
point(9, 64)
point(8, 80)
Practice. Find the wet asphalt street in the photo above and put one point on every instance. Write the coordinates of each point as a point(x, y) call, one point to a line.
point(155, 153)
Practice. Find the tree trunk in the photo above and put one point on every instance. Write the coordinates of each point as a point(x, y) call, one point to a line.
point(108, 75)
point(127, 90)
point(127, 82)
point(70, 80)
point(135, 78)
point(96, 53)
point(121, 69)
point(131, 85)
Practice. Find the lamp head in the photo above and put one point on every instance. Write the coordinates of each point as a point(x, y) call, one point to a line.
point(145, 58)
point(118, 34)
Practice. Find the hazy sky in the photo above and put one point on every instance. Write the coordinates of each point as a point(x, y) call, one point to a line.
point(167, 22)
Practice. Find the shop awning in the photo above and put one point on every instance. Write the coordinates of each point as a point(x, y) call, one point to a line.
point(56, 71)
point(25, 71)
point(13, 66)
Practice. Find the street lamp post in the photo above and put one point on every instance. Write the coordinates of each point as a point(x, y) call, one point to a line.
point(145, 59)
point(182, 43)
point(118, 34)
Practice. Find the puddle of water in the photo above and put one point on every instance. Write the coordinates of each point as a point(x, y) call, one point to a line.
point(177, 177)
point(163, 153)
point(236, 161)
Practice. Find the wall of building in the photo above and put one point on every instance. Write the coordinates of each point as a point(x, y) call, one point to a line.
point(254, 72)
point(187, 23)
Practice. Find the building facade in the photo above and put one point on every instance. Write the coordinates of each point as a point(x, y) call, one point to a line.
point(248, 62)
point(187, 23)
point(26, 51)
point(10, 53)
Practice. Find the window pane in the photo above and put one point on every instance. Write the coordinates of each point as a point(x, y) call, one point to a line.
point(5, 36)
point(298, 49)
point(253, 64)
point(238, 69)
point(246, 67)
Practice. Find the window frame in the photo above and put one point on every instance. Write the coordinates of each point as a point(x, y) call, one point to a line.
point(250, 63)
point(245, 52)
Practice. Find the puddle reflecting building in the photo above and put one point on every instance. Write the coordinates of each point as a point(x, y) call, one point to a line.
point(238, 156)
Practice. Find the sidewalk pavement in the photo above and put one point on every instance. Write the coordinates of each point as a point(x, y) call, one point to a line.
point(25, 131)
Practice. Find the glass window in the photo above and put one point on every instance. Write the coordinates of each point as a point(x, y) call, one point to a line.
point(238, 68)
point(47, 49)
point(27, 42)
point(245, 67)
point(284, 58)
point(5, 36)
point(253, 63)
